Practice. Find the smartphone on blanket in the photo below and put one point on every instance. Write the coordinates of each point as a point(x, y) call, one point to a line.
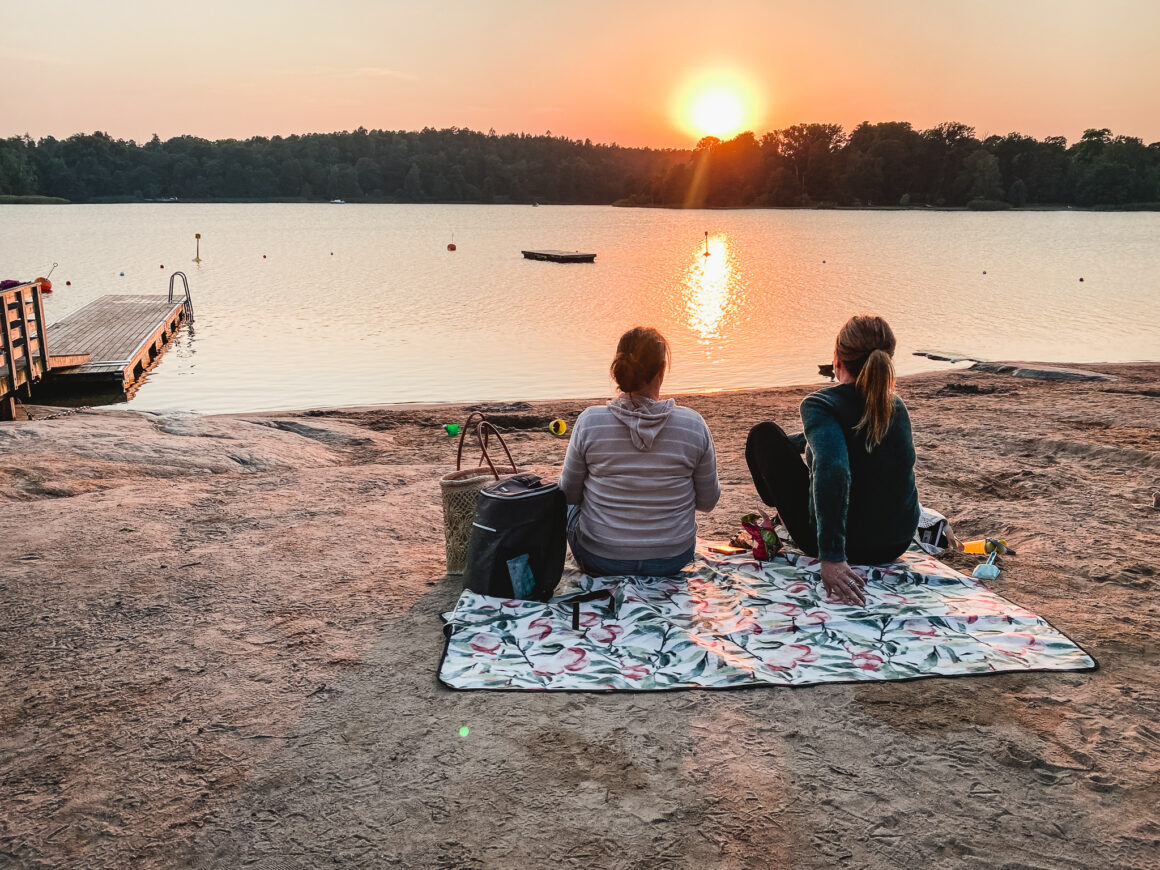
point(725, 549)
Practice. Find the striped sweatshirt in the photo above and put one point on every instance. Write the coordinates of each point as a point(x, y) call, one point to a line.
point(639, 470)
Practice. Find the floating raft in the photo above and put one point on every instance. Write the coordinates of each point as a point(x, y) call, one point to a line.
point(560, 256)
point(112, 341)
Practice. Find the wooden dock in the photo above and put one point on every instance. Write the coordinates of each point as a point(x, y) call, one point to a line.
point(560, 256)
point(104, 347)
point(112, 341)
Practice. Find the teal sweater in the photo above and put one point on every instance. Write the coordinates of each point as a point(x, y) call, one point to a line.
point(865, 503)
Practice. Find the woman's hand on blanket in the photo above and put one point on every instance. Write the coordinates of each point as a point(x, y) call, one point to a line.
point(841, 582)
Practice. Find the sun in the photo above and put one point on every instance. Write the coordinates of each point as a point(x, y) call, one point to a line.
point(718, 112)
point(720, 105)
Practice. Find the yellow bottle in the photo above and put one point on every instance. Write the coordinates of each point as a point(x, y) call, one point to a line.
point(984, 546)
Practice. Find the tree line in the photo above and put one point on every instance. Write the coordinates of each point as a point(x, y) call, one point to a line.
point(891, 163)
point(810, 165)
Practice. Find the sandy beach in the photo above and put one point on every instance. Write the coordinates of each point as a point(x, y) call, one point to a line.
point(219, 640)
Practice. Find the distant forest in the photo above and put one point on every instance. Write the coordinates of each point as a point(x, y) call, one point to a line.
point(806, 165)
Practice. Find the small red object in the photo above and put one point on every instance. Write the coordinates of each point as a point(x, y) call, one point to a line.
point(766, 544)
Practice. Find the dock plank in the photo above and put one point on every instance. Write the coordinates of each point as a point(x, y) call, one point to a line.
point(110, 327)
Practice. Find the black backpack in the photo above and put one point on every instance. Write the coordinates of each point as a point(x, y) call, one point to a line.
point(518, 539)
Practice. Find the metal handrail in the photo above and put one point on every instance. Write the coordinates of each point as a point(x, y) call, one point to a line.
point(188, 299)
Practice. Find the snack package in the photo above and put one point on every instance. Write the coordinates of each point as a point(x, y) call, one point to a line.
point(766, 544)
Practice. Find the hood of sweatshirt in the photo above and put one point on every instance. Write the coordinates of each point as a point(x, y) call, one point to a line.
point(644, 418)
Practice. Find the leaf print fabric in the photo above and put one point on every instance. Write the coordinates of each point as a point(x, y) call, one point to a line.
point(731, 621)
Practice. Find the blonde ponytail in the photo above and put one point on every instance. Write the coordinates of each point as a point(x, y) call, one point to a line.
point(865, 346)
point(876, 384)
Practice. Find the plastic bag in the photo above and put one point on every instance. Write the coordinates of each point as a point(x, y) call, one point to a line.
point(766, 543)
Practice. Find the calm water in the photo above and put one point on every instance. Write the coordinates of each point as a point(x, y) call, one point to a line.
point(321, 305)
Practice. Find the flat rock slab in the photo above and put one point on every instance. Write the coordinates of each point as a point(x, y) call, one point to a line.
point(947, 356)
point(1040, 373)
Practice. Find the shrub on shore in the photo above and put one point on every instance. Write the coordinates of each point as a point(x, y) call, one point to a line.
point(10, 199)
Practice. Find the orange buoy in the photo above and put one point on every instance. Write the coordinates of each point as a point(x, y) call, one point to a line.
point(451, 246)
point(45, 285)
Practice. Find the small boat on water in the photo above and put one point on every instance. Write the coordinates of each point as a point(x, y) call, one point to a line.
point(560, 256)
point(338, 202)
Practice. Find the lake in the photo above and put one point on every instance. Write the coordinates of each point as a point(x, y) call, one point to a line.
point(326, 305)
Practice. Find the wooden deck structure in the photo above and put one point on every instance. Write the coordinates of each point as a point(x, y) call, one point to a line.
point(560, 256)
point(112, 341)
point(23, 356)
point(104, 347)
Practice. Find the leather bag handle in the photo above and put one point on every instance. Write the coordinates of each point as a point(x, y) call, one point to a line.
point(463, 434)
point(484, 431)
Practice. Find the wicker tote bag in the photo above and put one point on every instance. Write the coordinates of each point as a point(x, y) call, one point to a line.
point(461, 487)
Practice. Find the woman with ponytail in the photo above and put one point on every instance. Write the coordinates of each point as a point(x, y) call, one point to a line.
point(853, 499)
point(637, 470)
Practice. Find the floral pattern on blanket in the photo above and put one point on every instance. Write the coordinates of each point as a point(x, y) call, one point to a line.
point(732, 621)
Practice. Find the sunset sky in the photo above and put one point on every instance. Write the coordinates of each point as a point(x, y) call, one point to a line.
point(625, 72)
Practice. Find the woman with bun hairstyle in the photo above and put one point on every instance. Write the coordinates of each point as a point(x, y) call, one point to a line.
point(853, 499)
point(637, 470)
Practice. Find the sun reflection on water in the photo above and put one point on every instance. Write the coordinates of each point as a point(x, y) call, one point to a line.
point(711, 286)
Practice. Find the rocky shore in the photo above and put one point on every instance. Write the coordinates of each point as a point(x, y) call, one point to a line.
point(219, 638)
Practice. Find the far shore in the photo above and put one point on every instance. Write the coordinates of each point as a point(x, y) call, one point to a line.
point(1126, 207)
point(221, 636)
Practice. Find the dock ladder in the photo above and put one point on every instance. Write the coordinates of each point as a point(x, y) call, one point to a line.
point(188, 300)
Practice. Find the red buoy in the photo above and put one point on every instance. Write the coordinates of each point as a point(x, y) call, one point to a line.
point(451, 246)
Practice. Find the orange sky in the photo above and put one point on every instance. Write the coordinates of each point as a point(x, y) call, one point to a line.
point(609, 71)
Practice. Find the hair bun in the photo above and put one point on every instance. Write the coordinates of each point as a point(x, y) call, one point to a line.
point(641, 354)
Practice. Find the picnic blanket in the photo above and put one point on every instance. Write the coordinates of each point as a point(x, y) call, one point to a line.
point(730, 621)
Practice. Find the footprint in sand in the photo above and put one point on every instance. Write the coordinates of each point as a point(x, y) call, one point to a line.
point(1102, 783)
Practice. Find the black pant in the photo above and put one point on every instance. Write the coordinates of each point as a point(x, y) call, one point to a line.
point(782, 479)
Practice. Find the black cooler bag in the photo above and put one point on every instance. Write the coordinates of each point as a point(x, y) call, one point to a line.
point(518, 539)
